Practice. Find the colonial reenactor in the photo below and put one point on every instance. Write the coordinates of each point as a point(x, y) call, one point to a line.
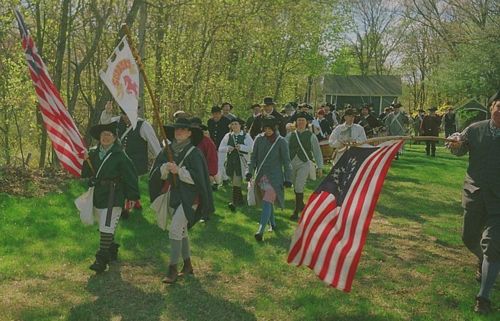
point(190, 190)
point(107, 114)
point(218, 126)
point(249, 125)
point(114, 181)
point(321, 126)
point(226, 111)
point(369, 123)
point(449, 123)
point(332, 116)
point(270, 163)
point(346, 134)
point(289, 112)
point(417, 123)
point(208, 149)
point(303, 147)
point(237, 145)
point(140, 144)
point(396, 123)
point(481, 198)
point(269, 110)
point(430, 127)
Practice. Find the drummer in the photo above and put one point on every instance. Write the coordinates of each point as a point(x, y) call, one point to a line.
point(346, 134)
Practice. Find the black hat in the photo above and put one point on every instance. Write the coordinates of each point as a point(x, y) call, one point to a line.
point(493, 98)
point(270, 121)
point(421, 110)
point(227, 103)
point(196, 121)
point(331, 106)
point(301, 114)
point(433, 108)
point(254, 105)
point(96, 131)
point(396, 105)
point(269, 101)
point(350, 112)
point(197, 133)
point(367, 106)
point(216, 109)
point(239, 120)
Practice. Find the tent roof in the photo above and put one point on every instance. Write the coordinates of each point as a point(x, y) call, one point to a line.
point(362, 85)
point(473, 104)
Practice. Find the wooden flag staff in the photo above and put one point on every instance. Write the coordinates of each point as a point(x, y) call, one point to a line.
point(138, 60)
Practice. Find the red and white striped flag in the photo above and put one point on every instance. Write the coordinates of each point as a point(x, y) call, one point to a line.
point(62, 131)
point(334, 224)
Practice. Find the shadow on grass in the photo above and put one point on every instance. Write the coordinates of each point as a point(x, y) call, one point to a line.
point(190, 300)
point(117, 299)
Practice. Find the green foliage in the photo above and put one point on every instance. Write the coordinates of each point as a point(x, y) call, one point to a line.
point(413, 267)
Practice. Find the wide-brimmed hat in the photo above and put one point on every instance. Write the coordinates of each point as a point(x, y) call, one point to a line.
point(269, 101)
point(270, 121)
point(197, 133)
point(301, 114)
point(493, 98)
point(196, 121)
point(96, 131)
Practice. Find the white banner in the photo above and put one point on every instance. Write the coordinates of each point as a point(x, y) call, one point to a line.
point(122, 79)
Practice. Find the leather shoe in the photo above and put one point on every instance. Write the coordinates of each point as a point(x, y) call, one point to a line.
point(483, 306)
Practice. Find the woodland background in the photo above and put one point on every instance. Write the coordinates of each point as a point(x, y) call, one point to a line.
point(198, 53)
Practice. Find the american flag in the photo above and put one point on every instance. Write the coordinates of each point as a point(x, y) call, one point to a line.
point(62, 131)
point(334, 224)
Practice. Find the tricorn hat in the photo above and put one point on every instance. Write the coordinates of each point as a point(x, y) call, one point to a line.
point(269, 101)
point(493, 98)
point(350, 112)
point(96, 131)
point(301, 114)
point(197, 133)
point(270, 121)
point(216, 109)
point(239, 120)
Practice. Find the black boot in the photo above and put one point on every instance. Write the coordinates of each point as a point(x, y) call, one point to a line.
point(172, 274)
point(187, 269)
point(101, 261)
point(113, 251)
point(299, 206)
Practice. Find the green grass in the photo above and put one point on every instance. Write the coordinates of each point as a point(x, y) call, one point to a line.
point(413, 267)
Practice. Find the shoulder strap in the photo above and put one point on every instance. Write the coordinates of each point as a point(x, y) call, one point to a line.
point(104, 160)
point(265, 157)
point(187, 154)
point(300, 144)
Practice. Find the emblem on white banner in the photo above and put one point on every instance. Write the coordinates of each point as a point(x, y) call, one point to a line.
point(122, 79)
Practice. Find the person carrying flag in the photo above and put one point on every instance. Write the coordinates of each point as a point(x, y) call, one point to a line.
point(481, 198)
point(186, 177)
point(346, 134)
point(303, 145)
point(114, 181)
point(270, 161)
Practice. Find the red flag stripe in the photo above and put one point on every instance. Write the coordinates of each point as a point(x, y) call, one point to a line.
point(356, 221)
point(344, 218)
point(62, 131)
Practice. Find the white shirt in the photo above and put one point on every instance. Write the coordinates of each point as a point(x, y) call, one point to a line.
point(343, 133)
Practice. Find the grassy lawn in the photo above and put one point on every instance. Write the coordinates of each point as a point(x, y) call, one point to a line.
point(413, 267)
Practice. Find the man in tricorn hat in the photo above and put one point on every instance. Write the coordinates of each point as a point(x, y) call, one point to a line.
point(268, 107)
point(218, 126)
point(430, 127)
point(186, 176)
point(114, 179)
point(449, 122)
point(396, 123)
point(369, 123)
point(249, 125)
point(481, 198)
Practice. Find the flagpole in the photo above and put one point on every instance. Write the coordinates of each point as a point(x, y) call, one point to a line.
point(138, 60)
